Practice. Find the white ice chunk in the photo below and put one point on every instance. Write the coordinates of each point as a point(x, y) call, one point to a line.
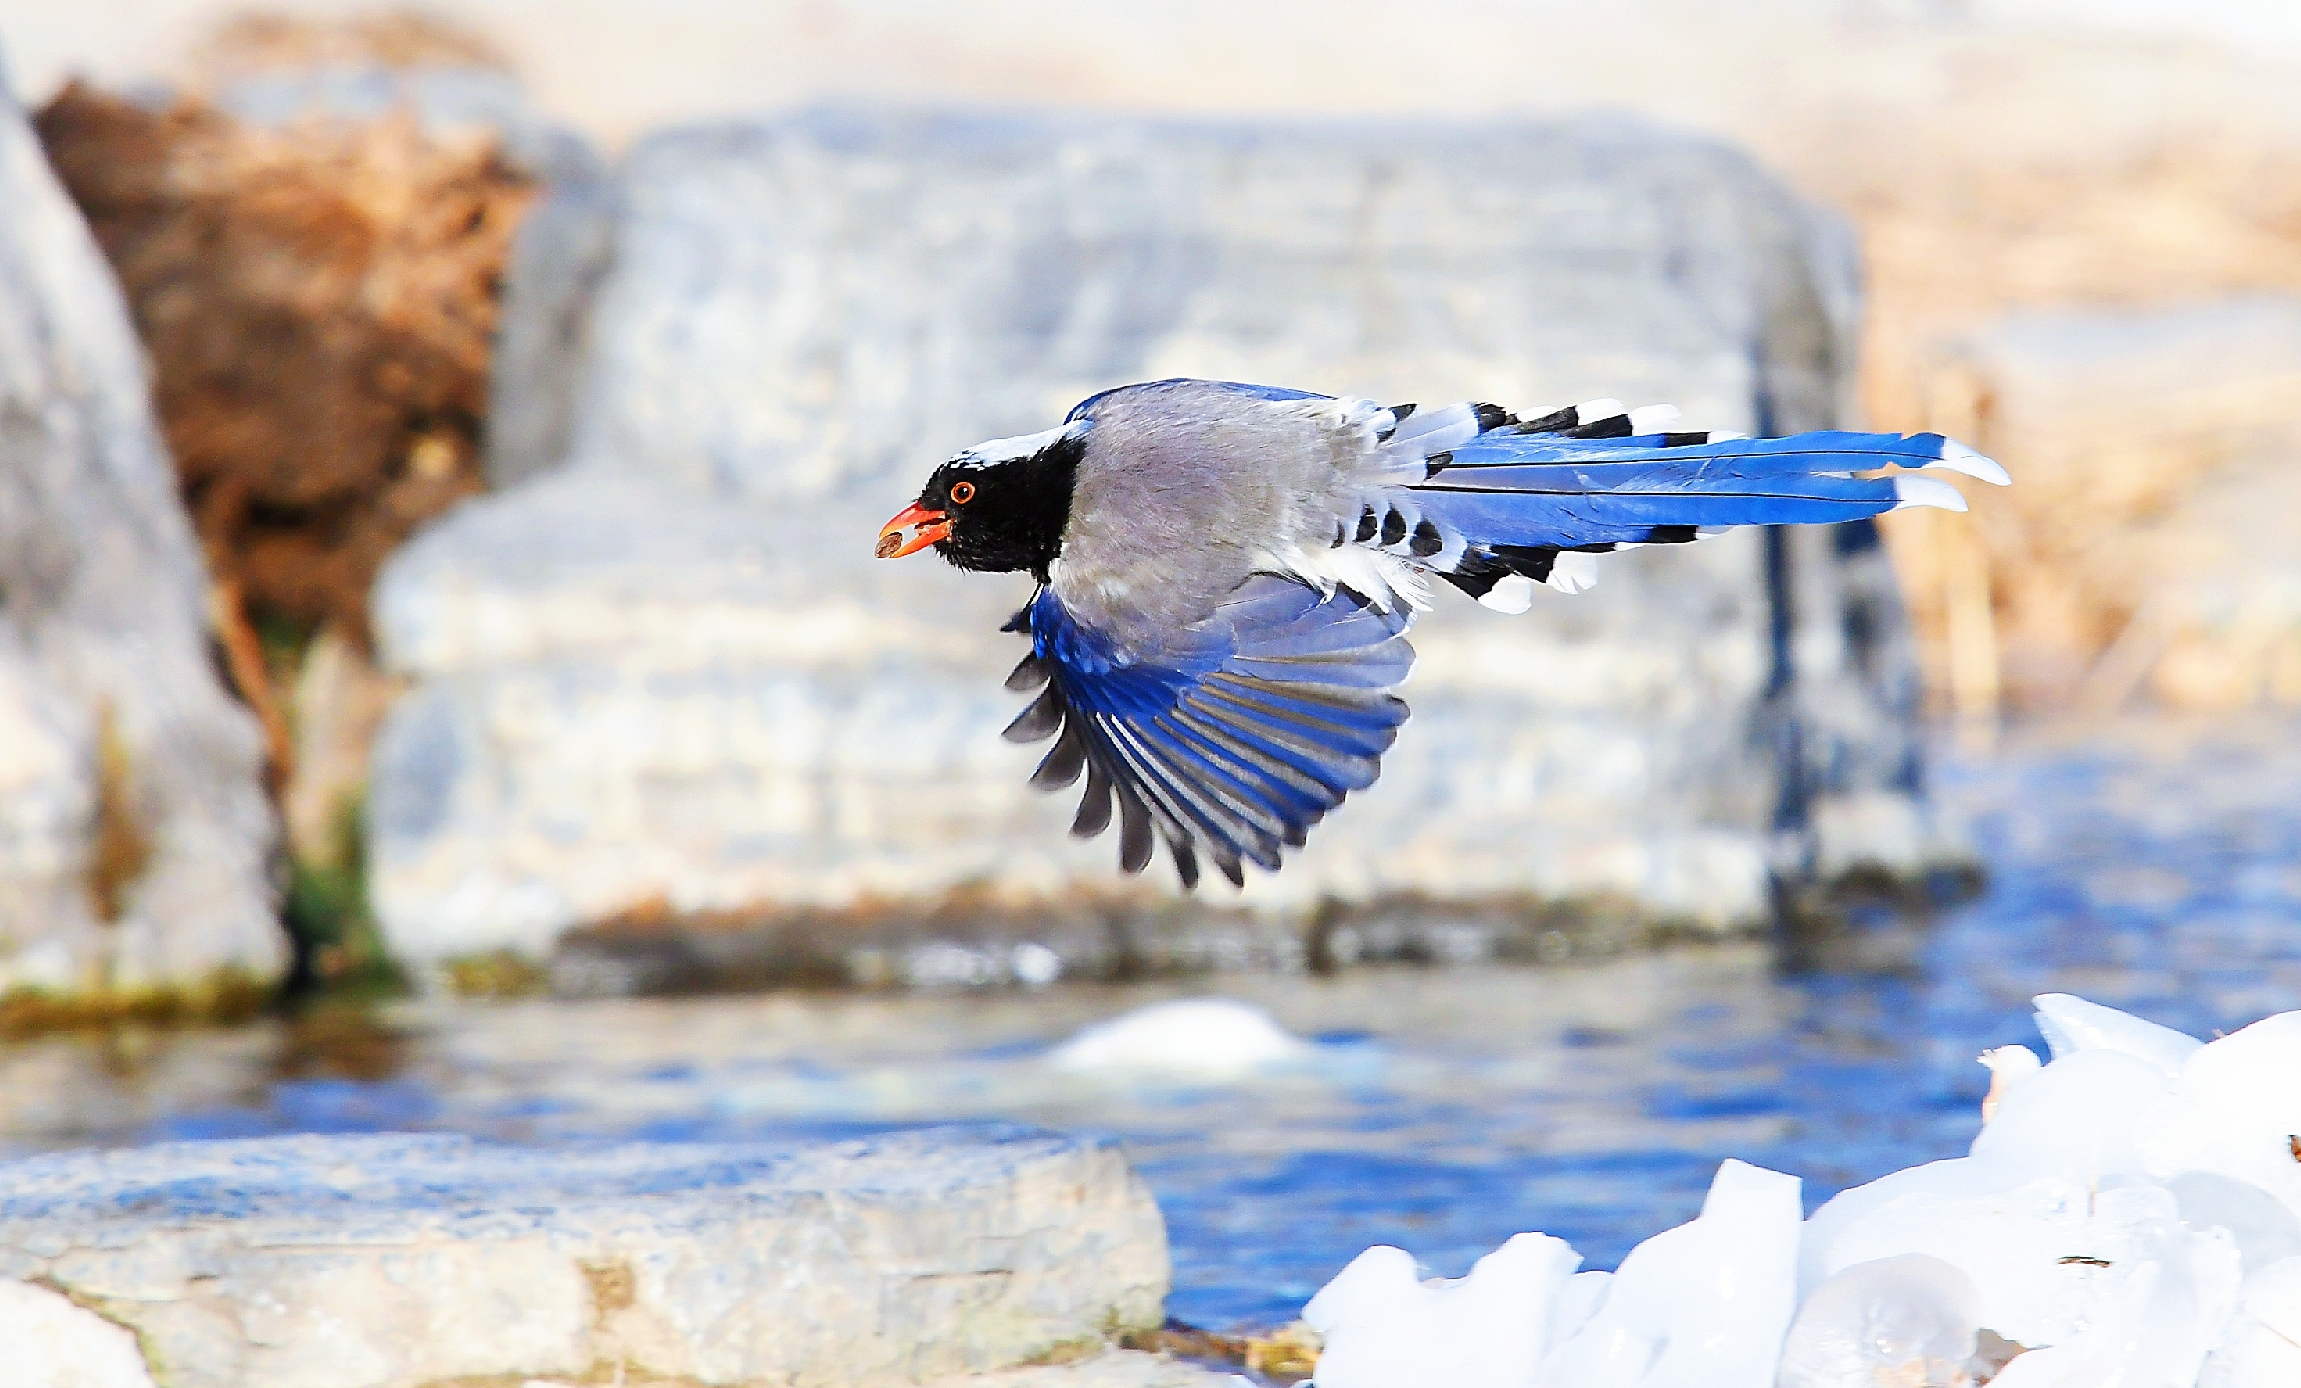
point(1819, 1256)
point(1206, 1037)
point(2076, 1117)
point(2053, 1256)
point(2071, 1024)
point(1704, 1305)
point(2234, 1111)
point(2049, 1367)
point(2266, 1232)
point(2008, 1066)
point(1577, 1302)
point(2261, 1348)
point(2273, 1297)
point(2254, 1356)
point(2132, 1211)
point(2252, 1070)
point(1384, 1328)
point(2159, 1314)
point(2167, 1335)
point(1907, 1320)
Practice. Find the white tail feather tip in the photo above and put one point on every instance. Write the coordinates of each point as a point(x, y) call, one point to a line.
point(1514, 594)
point(1573, 571)
point(1956, 457)
point(1927, 491)
point(1591, 411)
point(1653, 419)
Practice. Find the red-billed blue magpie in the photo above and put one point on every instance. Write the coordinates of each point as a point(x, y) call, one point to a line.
point(1227, 572)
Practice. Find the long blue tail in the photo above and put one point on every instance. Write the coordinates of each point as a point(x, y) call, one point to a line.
point(1515, 497)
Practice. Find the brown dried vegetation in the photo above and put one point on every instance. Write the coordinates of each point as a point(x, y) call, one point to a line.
point(2025, 185)
point(317, 302)
point(121, 849)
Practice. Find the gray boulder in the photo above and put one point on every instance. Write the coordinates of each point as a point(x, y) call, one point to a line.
point(133, 832)
point(311, 1262)
point(55, 1344)
point(667, 673)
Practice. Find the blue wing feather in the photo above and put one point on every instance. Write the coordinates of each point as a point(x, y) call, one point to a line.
point(1233, 742)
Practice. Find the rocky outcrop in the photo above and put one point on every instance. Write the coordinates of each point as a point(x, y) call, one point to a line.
point(1121, 1369)
point(666, 674)
point(55, 1344)
point(392, 1262)
point(133, 830)
point(312, 230)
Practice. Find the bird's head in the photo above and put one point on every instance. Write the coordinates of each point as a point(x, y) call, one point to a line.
point(997, 507)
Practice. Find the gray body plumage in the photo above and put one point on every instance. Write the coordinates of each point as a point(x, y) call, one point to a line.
point(1185, 488)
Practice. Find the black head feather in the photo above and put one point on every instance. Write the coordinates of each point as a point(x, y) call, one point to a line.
point(1009, 514)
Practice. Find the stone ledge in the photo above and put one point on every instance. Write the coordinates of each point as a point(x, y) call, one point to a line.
point(1115, 1369)
point(394, 1262)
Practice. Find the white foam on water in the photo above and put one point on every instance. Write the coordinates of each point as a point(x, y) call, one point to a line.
point(1198, 1037)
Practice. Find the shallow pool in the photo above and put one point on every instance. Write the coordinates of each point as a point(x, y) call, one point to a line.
point(2150, 866)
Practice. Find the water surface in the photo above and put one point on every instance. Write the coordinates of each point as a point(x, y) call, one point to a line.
point(2150, 866)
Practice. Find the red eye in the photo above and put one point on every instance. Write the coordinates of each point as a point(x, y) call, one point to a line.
point(962, 493)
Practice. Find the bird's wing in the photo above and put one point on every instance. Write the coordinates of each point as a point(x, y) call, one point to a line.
point(1234, 738)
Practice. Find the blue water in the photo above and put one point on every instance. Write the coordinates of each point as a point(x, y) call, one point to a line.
point(2148, 866)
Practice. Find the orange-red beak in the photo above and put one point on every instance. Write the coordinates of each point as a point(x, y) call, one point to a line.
point(912, 531)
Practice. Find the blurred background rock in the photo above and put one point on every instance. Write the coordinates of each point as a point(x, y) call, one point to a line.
point(312, 227)
point(664, 668)
point(133, 832)
point(2081, 229)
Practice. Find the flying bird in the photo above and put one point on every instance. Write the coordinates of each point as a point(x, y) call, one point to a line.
point(1227, 572)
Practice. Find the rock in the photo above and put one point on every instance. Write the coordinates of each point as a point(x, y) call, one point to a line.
point(557, 262)
point(1116, 1369)
point(339, 700)
point(312, 233)
point(53, 1344)
point(668, 672)
point(391, 1261)
point(1119, 1369)
point(133, 830)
